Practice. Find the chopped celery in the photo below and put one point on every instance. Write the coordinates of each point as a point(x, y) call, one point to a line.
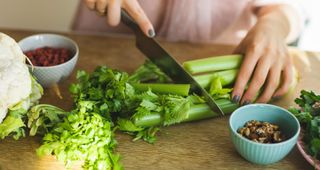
point(177, 89)
point(213, 64)
point(217, 91)
point(226, 77)
point(196, 112)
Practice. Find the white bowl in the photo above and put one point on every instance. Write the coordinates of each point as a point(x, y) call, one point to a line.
point(50, 75)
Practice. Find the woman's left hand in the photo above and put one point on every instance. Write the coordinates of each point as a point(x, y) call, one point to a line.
point(267, 64)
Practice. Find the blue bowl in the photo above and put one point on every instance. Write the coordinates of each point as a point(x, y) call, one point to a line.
point(260, 153)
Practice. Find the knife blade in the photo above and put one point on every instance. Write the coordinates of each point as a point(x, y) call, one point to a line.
point(160, 57)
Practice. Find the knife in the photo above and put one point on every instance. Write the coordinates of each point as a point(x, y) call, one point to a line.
point(151, 48)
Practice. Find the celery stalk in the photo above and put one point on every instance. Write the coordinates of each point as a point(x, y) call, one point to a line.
point(213, 64)
point(196, 112)
point(227, 77)
point(178, 89)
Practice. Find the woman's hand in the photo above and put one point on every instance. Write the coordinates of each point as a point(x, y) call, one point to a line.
point(112, 8)
point(267, 63)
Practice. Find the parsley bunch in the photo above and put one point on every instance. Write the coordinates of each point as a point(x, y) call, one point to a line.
point(309, 116)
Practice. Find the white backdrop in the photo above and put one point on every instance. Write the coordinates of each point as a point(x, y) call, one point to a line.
point(310, 39)
point(44, 15)
point(35, 14)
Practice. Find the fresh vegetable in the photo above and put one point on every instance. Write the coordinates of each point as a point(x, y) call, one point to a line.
point(136, 108)
point(82, 134)
point(178, 89)
point(210, 64)
point(86, 132)
point(151, 112)
point(149, 72)
point(18, 89)
point(197, 111)
point(308, 115)
point(227, 77)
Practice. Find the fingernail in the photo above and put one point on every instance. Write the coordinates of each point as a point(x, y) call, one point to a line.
point(246, 102)
point(151, 33)
point(236, 99)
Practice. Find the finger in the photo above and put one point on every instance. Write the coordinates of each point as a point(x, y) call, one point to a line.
point(287, 78)
point(137, 13)
point(258, 79)
point(114, 12)
point(271, 85)
point(244, 74)
point(91, 4)
point(101, 6)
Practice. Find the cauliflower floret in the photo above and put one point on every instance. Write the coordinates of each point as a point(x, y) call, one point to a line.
point(15, 79)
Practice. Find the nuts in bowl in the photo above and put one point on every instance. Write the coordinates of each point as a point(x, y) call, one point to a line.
point(53, 57)
point(263, 133)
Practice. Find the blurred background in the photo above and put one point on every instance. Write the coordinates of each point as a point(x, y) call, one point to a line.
point(57, 15)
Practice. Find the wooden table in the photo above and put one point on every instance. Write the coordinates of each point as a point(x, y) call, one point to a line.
point(198, 145)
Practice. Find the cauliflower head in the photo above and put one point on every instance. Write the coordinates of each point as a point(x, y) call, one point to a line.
point(18, 89)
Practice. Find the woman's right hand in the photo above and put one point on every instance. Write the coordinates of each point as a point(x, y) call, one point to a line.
point(112, 8)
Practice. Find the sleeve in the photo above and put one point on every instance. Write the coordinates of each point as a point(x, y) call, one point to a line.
point(297, 21)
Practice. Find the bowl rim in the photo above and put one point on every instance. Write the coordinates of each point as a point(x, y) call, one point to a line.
point(295, 136)
point(74, 57)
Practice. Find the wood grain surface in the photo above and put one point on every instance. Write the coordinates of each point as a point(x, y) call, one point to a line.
point(201, 145)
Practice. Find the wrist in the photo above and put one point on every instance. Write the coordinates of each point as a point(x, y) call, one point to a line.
point(273, 20)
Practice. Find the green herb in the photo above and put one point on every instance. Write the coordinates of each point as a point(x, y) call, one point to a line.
point(82, 135)
point(43, 117)
point(149, 72)
point(309, 116)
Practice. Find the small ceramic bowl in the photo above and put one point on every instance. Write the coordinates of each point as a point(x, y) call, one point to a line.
point(260, 153)
point(50, 75)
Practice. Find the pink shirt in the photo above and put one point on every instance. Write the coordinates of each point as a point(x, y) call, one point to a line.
point(201, 21)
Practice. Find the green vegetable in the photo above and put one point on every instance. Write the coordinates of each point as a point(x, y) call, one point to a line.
point(217, 91)
point(227, 77)
point(152, 110)
point(149, 72)
point(82, 135)
point(309, 117)
point(13, 124)
point(178, 89)
point(43, 117)
point(213, 64)
point(107, 100)
point(87, 132)
point(196, 112)
point(147, 134)
point(107, 87)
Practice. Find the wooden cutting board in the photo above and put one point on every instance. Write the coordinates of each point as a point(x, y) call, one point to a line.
point(198, 145)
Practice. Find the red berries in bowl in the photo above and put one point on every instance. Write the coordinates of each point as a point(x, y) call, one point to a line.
point(53, 57)
point(48, 56)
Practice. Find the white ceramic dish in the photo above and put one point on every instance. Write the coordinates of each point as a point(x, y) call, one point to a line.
point(48, 76)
